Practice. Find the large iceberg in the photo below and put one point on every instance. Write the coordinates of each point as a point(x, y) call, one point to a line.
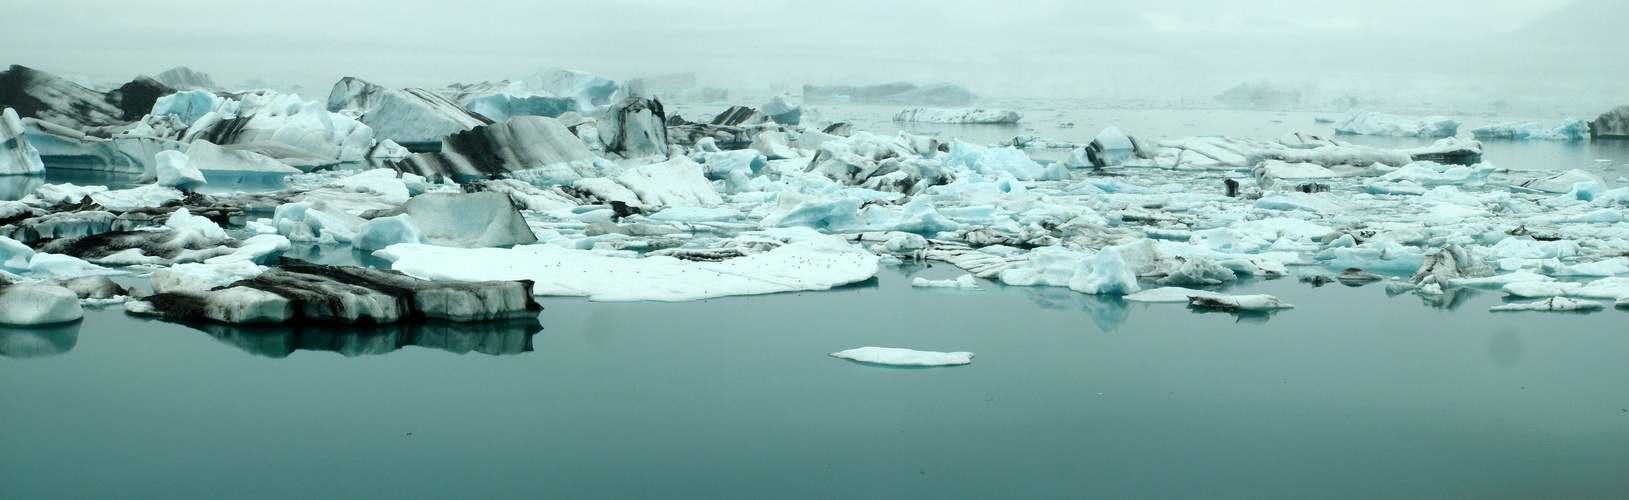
point(1360, 122)
point(37, 94)
point(532, 148)
point(1572, 129)
point(184, 78)
point(958, 116)
point(297, 290)
point(17, 156)
point(635, 127)
point(798, 259)
point(1612, 124)
point(412, 117)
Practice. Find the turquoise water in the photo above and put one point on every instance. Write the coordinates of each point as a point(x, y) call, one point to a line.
point(1352, 394)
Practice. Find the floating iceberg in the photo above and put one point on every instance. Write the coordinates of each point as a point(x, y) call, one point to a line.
point(1361, 122)
point(799, 260)
point(1551, 304)
point(1572, 129)
point(297, 290)
point(904, 357)
point(958, 116)
point(531, 148)
point(413, 117)
point(635, 127)
point(175, 170)
point(963, 282)
point(37, 94)
point(184, 78)
point(37, 304)
point(937, 94)
point(17, 156)
point(1238, 302)
point(1612, 124)
point(467, 220)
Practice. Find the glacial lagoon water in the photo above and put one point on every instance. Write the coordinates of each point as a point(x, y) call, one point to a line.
point(1352, 394)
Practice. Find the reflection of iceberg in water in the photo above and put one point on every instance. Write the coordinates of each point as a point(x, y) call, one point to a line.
point(1239, 316)
point(38, 341)
point(278, 341)
point(15, 187)
point(1107, 311)
point(1450, 299)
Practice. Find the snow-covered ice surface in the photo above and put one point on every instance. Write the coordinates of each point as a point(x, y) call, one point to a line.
point(894, 356)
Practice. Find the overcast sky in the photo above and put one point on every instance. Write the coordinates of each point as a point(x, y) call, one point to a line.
point(1067, 48)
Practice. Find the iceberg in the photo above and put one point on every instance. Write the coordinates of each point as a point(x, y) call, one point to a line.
point(635, 127)
point(963, 282)
point(1360, 122)
point(502, 100)
point(535, 149)
point(229, 167)
point(904, 357)
point(1612, 124)
point(175, 170)
point(184, 78)
point(17, 156)
point(1572, 129)
point(589, 90)
point(37, 94)
point(467, 220)
point(800, 259)
point(782, 110)
point(958, 116)
point(23, 304)
point(298, 290)
point(382, 232)
point(412, 117)
point(279, 125)
point(1551, 304)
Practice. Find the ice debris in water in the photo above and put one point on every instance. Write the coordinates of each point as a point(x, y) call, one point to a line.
point(37, 304)
point(963, 282)
point(958, 116)
point(904, 357)
point(1362, 122)
point(1551, 304)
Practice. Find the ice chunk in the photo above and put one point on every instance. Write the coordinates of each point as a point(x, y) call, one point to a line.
point(635, 127)
point(175, 170)
point(1105, 273)
point(1562, 182)
point(536, 149)
point(468, 220)
point(17, 156)
point(676, 182)
point(1259, 302)
point(91, 287)
point(958, 116)
point(1198, 272)
point(201, 276)
point(382, 232)
point(227, 167)
point(1449, 263)
point(782, 110)
point(412, 117)
point(772, 144)
point(904, 357)
point(937, 94)
point(184, 78)
point(1551, 304)
point(1540, 288)
point(963, 282)
point(37, 304)
point(1611, 124)
point(806, 261)
point(1572, 129)
point(1362, 122)
point(720, 164)
point(589, 90)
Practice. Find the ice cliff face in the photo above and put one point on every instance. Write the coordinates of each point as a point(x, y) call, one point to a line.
point(1612, 124)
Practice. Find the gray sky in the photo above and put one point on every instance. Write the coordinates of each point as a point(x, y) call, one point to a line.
point(1399, 49)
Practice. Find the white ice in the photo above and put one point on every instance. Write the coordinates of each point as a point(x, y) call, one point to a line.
point(904, 357)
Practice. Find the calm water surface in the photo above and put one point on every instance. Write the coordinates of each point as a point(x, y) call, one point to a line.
point(1353, 394)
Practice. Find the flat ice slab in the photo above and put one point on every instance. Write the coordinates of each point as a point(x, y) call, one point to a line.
point(894, 356)
point(1552, 304)
point(808, 261)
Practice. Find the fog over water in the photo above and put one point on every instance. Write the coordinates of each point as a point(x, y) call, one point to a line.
point(1536, 54)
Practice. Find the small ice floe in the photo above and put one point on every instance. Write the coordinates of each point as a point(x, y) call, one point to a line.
point(904, 357)
point(1170, 294)
point(1552, 304)
point(963, 282)
point(1259, 302)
